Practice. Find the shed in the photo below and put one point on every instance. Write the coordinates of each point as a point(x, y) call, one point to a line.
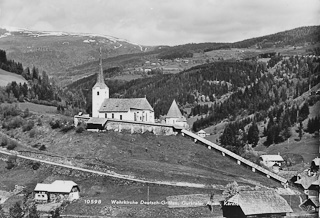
point(271, 160)
point(96, 123)
point(202, 133)
point(256, 204)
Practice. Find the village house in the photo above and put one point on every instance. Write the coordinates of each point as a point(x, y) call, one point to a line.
point(273, 162)
point(59, 190)
point(135, 109)
point(256, 204)
point(202, 133)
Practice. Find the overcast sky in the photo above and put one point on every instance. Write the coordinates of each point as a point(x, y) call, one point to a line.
point(162, 22)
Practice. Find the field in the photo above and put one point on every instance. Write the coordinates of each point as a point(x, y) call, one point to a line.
point(39, 108)
point(7, 77)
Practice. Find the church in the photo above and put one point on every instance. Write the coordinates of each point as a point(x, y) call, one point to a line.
point(129, 109)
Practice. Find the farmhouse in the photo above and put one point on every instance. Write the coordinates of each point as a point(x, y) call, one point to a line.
point(271, 161)
point(57, 191)
point(135, 109)
point(256, 204)
point(202, 133)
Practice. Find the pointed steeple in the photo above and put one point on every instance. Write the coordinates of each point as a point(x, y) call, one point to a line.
point(174, 110)
point(100, 79)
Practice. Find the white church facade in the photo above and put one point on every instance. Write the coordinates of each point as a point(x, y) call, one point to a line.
point(133, 109)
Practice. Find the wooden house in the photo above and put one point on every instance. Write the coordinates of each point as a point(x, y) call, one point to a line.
point(57, 191)
point(256, 204)
point(273, 162)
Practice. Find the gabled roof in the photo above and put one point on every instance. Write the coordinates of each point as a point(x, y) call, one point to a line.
point(306, 181)
point(124, 104)
point(260, 202)
point(60, 186)
point(271, 157)
point(97, 120)
point(174, 110)
point(201, 132)
point(316, 161)
point(314, 200)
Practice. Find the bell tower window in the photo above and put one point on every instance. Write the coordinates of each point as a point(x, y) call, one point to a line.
point(97, 93)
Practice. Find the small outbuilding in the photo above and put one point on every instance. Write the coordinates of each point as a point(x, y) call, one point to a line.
point(256, 204)
point(202, 133)
point(56, 191)
point(271, 160)
point(96, 123)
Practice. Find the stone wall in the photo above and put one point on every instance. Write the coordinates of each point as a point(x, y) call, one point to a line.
point(140, 127)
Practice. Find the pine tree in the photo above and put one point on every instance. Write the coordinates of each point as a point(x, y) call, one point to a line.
point(16, 211)
point(253, 134)
point(33, 213)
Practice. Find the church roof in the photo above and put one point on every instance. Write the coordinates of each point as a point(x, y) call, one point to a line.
point(174, 110)
point(124, 104)
point(100, 79)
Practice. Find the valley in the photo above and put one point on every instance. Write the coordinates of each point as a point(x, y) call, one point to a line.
point(254, 97)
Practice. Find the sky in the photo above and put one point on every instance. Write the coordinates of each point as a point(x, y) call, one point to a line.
point(162, 22)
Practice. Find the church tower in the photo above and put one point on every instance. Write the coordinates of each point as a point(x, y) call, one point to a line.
point(100, 91)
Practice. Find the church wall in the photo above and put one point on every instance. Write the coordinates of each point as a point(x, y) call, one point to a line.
point(140, 127)
point(97, 99)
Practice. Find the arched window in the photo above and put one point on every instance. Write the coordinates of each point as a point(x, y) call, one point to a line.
point(97, 92)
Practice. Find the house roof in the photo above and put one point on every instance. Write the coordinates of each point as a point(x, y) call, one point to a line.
point(260, 202)
point(61, 186)
point(201, 132)
point(268, 157)
point(316, 161)
point(97, 120)
point(124, 104)
point(312, 200)
point(174, 110)
point(306, 181)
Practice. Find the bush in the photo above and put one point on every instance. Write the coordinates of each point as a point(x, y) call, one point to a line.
point(4, 141)
point(26, 113)
point(67, 127)
point(15, 123)
point(35, 165)
point(28, 126)
point(32, 133)
point(55, 124)
point(12, 145)
point(11, 162)
point(39, 122)
point(42, 148)
point(80, 128)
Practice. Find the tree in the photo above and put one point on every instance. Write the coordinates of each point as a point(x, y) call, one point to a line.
point(231, 189)
point(253, 134)
point(16, 211)
point(33, 213)
point(300, 130)
point(55, 213)
point(2, 215)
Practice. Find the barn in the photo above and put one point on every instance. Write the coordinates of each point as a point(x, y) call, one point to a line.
point(256, 204)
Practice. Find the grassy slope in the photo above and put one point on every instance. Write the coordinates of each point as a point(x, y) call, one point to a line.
point(170, 158)
point(7, 77)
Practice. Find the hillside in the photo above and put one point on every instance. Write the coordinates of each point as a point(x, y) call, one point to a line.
point(7, 77)
point(70, 56)
point(55, 52)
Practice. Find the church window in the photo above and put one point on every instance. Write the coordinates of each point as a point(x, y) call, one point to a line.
point(97, 93)
point(112, 116)
point(120, 117)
